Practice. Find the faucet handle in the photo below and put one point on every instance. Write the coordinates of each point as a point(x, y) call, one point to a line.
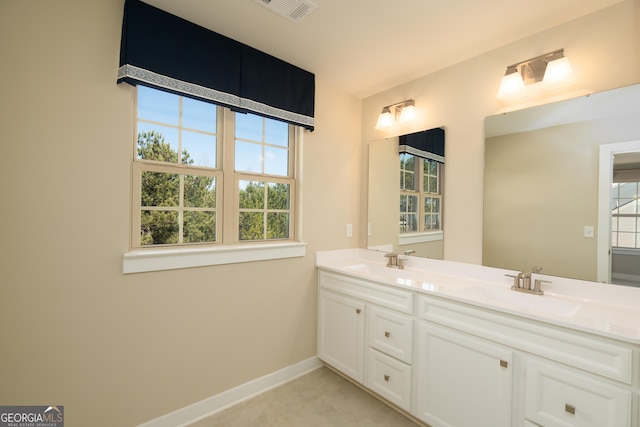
point(516, 280)
point(537, 286)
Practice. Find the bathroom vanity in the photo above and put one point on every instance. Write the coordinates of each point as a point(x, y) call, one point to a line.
point(452, 345)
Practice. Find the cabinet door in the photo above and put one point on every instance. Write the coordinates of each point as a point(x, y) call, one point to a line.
point(558, 397)
point(341, 333)
point(462, 380)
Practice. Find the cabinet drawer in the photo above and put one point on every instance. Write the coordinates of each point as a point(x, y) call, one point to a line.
point(593, 354)
point(391, 333)
point(559, 397)
point(389, 378)
point(383, 295)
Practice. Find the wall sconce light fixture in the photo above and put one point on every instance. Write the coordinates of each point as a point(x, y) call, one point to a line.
point(552, 69)
point(402, 112)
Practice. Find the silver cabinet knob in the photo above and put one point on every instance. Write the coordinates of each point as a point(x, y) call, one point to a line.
point(387, 334)
point(386, 378)
point(569, 408)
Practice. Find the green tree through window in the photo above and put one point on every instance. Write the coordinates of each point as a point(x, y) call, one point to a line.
point(172, 202)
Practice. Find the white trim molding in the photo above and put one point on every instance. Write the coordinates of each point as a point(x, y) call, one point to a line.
point(143, 260)
point(422, 237)
point(605, 178)
point(205, 408)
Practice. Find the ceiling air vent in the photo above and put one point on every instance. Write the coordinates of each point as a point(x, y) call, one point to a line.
point(293, 10)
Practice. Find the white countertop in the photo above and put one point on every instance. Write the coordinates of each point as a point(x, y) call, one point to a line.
point(606, 310)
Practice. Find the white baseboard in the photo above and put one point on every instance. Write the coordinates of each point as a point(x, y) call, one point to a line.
point(207, 407)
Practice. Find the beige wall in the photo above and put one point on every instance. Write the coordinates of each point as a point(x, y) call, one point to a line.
point(604, 52)
point(115, 349)
point(121, 350)
point(541, 191)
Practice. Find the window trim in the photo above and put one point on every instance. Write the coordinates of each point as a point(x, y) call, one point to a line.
point(161, 258)
point(146, 260)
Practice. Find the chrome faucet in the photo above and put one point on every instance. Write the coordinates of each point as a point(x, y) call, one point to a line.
point(394, 260)
point(522, 282)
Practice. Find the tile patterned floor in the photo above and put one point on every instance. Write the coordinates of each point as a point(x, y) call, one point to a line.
point(321, 398)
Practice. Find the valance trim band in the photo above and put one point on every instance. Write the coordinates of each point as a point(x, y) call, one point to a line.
point(133, 74)
point(420, 153)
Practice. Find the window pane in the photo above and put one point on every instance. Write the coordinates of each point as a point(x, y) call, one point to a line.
point(627, 206)
point(276, 161)
point(626, 240)
point(432, 167)
point(198, 149)
point(277, 225)
point(432, 222)
point(278, 196)
point(160, 189)
point(198, 115)
point(407, 162)
point(157, 143)
point(159, 227)
point(409, 182)
point(276, 133)
point(199, 227)
point(158, 106)
point(248, 157)
point(248, 126)
point(408, 222)
point(251, 195)
point(199, 191)
point(627, 224)
point(251, 226)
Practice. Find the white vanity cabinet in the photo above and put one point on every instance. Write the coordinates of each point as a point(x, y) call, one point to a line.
point(501, 370)
point(462, 380)
point(453, 346)
point(365, 331)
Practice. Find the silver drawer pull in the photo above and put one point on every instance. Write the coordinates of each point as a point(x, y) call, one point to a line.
point(504, 363)
point(570, 408)
point(358, 311)
point(386, 378)
point(387, 334)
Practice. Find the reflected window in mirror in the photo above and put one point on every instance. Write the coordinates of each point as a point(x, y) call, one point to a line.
point(625, 215)
point(420, 194)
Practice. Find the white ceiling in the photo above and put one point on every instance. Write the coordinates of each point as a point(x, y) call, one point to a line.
point(364, 47)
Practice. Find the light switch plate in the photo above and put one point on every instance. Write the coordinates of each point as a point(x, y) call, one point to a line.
point(588, 231)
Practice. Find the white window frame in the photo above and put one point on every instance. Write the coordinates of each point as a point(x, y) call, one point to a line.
point(421, 235)
point(157, 258)
point(615, 219)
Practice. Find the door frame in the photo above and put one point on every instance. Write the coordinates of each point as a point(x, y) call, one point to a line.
point(605, 180)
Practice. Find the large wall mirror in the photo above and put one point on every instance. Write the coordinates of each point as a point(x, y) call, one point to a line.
point(543, 188)
point(405, 198)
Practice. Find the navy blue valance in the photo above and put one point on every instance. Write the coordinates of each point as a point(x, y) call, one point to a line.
point(428, 144)
point(169, 53)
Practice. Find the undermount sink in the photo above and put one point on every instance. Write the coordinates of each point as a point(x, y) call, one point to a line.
point(523, 301)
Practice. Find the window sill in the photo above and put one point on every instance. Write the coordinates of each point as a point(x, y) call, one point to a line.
point(140, 261)
point(625, 251)
point(413, 238)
